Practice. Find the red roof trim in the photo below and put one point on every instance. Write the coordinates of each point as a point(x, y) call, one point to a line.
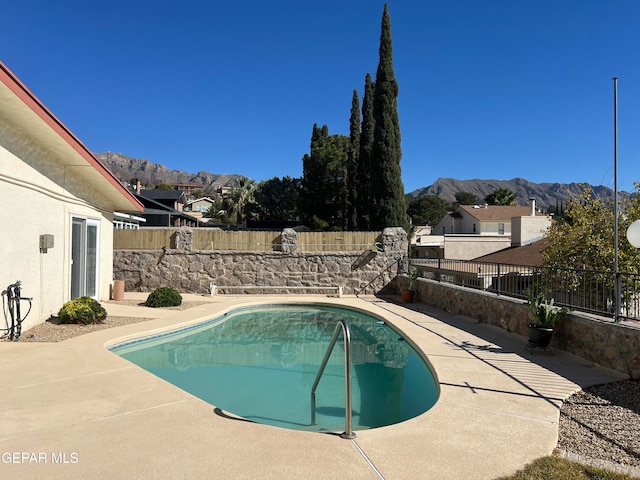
point(30, 100)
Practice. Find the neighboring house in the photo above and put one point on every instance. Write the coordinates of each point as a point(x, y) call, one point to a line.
point(224, 192)
point(421, 232)
point(59, 202)
point(199, 206)
point(174, 199)
point(472, 231)
point(529, 255)
point(509, 270)
point(160, 211)
point(187, 187)
point(425, 245)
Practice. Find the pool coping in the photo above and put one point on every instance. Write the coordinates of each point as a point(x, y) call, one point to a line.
point(77, 401)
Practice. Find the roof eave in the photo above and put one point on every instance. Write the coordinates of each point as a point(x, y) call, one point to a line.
point(121, 197)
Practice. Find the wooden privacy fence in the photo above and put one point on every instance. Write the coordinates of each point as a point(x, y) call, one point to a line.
point(210, 239)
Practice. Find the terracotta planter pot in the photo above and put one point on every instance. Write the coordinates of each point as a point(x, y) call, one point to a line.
point(407, 295)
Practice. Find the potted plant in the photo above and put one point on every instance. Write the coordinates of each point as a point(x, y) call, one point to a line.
point(408, 293)
point(545, 315)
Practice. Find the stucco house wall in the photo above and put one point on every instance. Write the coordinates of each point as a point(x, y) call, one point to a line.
point(468, 247)
point(493, 228)
point(47, 178)
point(529, 229)
point(199, 205)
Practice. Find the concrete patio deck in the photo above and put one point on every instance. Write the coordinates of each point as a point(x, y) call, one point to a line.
point(74, 410)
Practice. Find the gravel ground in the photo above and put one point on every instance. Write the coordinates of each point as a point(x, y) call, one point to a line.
point(52, 332)
point(601, 426)
point(598, 426)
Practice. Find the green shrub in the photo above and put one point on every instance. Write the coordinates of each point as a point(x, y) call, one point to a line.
point(83, 310)
point(164, 297)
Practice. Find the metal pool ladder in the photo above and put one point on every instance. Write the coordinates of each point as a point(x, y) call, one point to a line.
point(346, 333)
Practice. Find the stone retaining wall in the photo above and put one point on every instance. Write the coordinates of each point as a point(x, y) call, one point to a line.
point(196, 271)
point(598, 340)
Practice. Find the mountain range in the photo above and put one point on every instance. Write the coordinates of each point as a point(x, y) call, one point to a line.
point(546, 194)
point(150, 174)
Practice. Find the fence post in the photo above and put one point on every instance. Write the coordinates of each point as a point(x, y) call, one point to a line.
point(184, 238)
point(498, 287)
point(289, 240)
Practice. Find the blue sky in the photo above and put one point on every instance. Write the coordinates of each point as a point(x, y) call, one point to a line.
point(489, 89)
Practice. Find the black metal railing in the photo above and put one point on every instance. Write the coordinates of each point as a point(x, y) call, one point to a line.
point(585, 290)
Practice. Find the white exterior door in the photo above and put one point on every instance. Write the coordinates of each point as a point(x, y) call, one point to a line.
point(84, 257)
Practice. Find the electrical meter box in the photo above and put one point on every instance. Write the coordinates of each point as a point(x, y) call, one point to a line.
point(46, 241)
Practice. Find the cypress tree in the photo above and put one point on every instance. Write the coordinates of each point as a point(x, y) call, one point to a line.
point(351, 175)
point(363, 186)
point(323, 195)
point(311, 174)
point(389, 207)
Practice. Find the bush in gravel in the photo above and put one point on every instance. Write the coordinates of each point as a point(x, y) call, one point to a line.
point(164, 297)
point(84, 310)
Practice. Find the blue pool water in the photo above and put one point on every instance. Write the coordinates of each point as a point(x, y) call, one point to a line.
point(260, 363)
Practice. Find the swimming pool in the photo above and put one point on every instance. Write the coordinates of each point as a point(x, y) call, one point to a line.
point(260, 363)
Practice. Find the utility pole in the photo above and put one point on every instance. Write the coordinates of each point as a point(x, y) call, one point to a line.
point(618, 292)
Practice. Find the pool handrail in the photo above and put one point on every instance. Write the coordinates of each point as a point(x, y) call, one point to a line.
point(343, 326)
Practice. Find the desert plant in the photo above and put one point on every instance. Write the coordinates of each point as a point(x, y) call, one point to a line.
point(544, 311)
point(413, 274)
point(164, 297)
point(83, 310)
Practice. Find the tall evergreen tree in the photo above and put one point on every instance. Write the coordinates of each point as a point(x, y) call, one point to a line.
point(427, 210)
point(388, 198)
point(465, 198)
point(363, 186)
point(275, 199)
point(310, 175)
point(353, 154)
point(323, 192)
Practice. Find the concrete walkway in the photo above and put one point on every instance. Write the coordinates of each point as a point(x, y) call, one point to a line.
point(74, 410)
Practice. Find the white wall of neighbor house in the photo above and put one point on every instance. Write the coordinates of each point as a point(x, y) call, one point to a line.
point(39, 197)
point(529, 229)
point(496, 228)
point(468, 247)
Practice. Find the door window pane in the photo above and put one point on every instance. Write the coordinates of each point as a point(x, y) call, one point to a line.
point(77, 257)
point(91, 268)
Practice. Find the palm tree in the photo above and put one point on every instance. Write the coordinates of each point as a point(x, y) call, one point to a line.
point(241, 196)
point(215, 211)
point(501, 196)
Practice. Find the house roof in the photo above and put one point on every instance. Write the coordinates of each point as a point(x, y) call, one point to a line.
point(20, 107)
point(159, 194)
point(496, 213)
point(530, 254)
point(155, 204)
point(153, 207)
point(201, 199)
point(187, 185)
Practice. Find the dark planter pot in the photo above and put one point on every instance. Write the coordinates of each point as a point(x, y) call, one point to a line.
point(539, 337)
point(407, 295)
